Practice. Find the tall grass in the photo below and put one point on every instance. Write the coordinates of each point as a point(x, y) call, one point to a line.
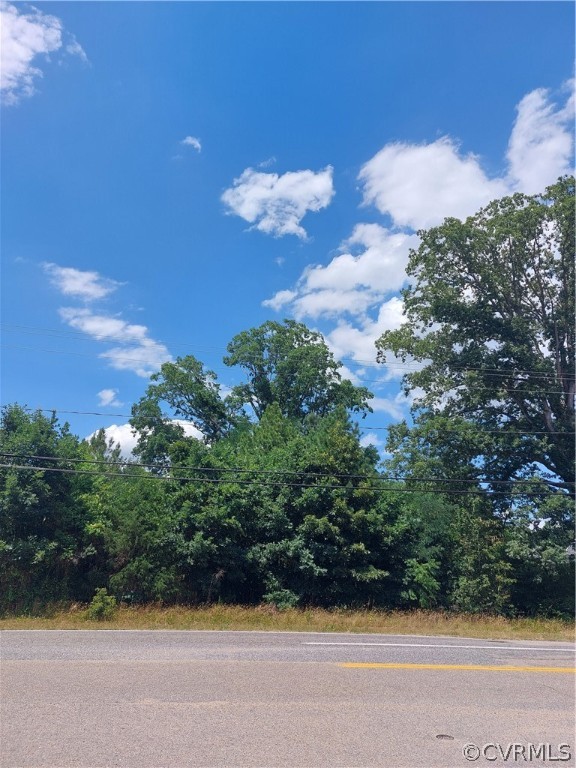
point(237, 617)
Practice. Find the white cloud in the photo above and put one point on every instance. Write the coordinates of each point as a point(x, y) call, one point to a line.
point(25, 37)
point(143, 360)
point(75, 49)
point(276, 204)
point(122, 435)
point(371, 438)
point(127, 438)
point(103, 327)
point(542, 144)
point(86, 285)
point(136, 352)
point(419, 185)
point(189, 429)
point(357, 341)
point(107, 397)
point(387, 405)
point(280, 300)
point(192, 141)
point(351, 283)
point(347, 373)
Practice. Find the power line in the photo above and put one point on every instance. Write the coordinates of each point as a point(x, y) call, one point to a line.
point(501, 431)
point(243, 470)
point(268, 484)
point(414, 367)
point(365, 427)
point(142, 361)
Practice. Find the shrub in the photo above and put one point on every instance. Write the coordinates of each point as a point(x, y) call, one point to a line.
point(103, 606)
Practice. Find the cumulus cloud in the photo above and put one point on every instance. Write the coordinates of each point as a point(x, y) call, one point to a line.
point(107, 397)
point(122, 435)
point(356, 340)
point(25, 37)
point(371, 438)
point(192, 141)
point(387, 405)
point(542, 143)
point(419, 185)
point(127, 438)
point(373, 264)
point(275, 204)
point(85, 285)
point(136, 351)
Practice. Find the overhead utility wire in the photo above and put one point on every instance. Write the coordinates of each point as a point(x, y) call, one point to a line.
point(268, 484)
point(82, 334)
point(364, 427)
point(242, 470)
point(390, 364)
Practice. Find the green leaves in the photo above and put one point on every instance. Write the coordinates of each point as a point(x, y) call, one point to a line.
point(291, 365)
point(490, 315)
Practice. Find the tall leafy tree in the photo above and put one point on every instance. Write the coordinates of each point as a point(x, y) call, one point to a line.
point(191, 393)
point(291, 365)
point(490, 318)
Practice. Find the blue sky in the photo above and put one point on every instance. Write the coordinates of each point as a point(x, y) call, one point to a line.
point(175, 173)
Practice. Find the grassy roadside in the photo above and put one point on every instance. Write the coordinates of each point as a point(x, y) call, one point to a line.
point(232, 617)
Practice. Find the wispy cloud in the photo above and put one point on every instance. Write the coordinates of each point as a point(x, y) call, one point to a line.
point(82, 284)
point(192, 141)
point(25, 38)
point(136, 351)
point(276, 204)
point(542, 142)
point(107, 397)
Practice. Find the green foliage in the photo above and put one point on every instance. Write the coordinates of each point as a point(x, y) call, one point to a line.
point(285, 509)
point(291, 365)
point(497, 336)
point(103, 606)
point(43, 554)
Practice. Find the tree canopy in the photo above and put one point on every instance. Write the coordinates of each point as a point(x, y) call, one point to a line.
point(291, 365)
point(490, 324)
point(282, 503)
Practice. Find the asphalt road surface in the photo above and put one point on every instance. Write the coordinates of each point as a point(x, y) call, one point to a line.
point(141, 699)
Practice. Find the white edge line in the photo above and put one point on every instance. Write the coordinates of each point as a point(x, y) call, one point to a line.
point(435, 645)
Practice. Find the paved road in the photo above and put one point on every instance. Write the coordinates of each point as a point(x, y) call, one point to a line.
point(292, 700)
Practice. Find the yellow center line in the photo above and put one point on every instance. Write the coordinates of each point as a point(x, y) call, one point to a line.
point(466, 667)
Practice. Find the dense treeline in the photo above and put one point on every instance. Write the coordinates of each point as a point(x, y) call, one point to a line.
point(280, 502)
point(280, 511)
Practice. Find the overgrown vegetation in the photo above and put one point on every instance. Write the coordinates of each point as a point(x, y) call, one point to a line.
point(264, 617)
point(280, 504)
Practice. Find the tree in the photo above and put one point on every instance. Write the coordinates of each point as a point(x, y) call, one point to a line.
point(490, 318)
point(42, 516)
point(193, 394)
point(291, 365)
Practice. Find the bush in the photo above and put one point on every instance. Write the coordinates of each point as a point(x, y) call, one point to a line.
point(281, 599)
point(103, 606)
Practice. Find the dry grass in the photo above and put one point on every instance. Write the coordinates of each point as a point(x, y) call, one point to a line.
point(232, 617)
